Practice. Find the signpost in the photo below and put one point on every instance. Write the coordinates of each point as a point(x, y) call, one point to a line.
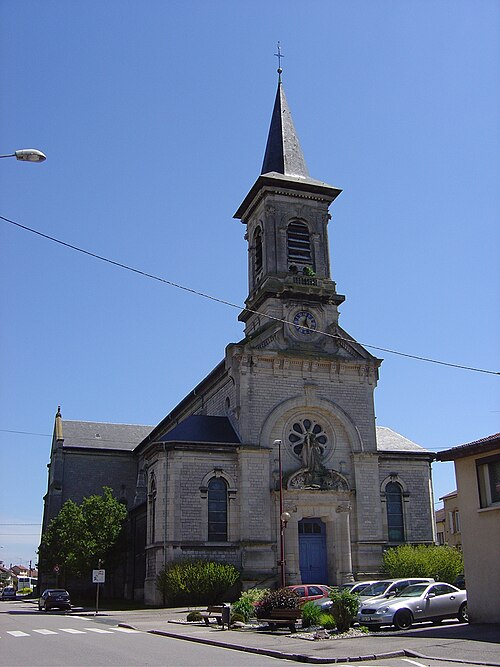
point(98, 577)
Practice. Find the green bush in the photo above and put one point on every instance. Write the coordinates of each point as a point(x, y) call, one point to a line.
point(344, 608)
point(195, 582)
point(327, 621)
point(443, 563)
point(311, 613)
point(245, 605)
point(25, 591)
point(194, 616)
point(281, 598)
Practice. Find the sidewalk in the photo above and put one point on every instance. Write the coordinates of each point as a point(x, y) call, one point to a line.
point(464, 644)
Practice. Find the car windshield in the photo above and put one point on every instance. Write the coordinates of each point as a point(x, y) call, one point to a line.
point(377, 588)
point(413, 591)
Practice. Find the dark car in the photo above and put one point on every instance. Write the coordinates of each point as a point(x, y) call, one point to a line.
point(54, 598)
point(8, 593)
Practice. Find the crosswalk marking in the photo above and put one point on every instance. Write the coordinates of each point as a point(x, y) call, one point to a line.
point(103, 632)
point(125, 630)
point(71, 631)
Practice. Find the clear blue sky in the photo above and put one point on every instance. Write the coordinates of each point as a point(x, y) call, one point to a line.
point(154, 117)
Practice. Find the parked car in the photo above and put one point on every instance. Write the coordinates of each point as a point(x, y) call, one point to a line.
point(418, 602)
point(308, 592)
point(54, 598)
point(8, 593)
point(386, 588)
point(356, 586)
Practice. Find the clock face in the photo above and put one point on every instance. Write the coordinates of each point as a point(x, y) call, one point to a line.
point(305, 322)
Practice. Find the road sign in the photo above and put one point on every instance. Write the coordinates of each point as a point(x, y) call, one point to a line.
point(98, 576)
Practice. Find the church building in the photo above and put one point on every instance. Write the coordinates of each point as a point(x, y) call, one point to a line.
point(273, 462)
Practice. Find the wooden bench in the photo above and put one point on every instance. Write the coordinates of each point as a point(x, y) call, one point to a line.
point(213, 611)
point(282, 617)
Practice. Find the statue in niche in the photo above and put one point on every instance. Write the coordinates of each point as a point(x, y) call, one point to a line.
point(311, 453)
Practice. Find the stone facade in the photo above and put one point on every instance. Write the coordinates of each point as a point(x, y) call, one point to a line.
point(296, 391)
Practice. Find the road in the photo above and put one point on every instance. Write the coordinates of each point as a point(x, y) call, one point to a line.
point(29, 637)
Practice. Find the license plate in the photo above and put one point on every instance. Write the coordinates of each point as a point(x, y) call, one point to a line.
point(365, 617)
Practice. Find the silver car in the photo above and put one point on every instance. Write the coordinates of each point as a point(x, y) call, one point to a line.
point(419, 602)
point(385, 588)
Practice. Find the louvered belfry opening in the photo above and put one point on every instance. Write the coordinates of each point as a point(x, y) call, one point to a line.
point(299, 244)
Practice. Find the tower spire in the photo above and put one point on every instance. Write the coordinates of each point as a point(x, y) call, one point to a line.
point(283, 152)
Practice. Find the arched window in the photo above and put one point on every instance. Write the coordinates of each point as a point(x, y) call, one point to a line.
point(298, 243)
point(217, 510)
point(395, 523)
point(258, 251)
point(152, 511)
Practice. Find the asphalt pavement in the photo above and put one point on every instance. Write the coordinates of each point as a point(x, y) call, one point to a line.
point(454, 642)
point(457, 642)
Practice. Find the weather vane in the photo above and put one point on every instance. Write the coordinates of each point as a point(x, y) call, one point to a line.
point(279, 56)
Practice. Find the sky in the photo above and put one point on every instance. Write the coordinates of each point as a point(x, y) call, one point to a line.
point(154, 117)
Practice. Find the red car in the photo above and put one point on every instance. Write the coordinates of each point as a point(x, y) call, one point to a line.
point(308, 592)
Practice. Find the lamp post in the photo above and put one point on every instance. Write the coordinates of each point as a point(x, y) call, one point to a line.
point(27, 155)
point(284, 518)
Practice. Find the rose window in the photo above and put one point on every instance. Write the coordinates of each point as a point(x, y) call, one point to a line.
point(307, 429)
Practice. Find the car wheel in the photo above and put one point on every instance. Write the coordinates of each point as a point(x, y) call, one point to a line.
point(463, 614)
point(403, 619)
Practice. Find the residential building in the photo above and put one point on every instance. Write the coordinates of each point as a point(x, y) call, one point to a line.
point(477, 472)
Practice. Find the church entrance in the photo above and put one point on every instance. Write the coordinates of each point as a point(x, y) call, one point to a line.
point(312, 551)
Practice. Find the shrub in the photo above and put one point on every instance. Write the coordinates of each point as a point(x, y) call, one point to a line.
point(246, 603)
point(195, 581)
point(444, 563)
point(311, 613)
point(344, 608)
point(243, 607)
point(282, 598)
point(327, 621)
point(194, 616)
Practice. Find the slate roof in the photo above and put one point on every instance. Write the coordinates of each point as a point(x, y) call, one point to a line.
point(203, 429)
point(390, 441)
point(101, 435)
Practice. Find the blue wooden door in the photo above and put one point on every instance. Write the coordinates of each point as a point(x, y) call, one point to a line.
point(312, 551)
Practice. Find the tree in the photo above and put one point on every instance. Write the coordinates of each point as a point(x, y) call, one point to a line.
point(80, 535)
point(443, 563)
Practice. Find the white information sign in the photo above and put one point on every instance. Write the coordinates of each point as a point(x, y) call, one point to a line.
point(98, 576)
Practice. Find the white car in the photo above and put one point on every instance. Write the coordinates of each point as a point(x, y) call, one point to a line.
point(419, 602)
point(386, 588)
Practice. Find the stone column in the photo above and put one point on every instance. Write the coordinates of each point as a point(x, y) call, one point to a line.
point(343, 539)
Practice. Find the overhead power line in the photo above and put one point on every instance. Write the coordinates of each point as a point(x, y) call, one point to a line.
point(239, 307)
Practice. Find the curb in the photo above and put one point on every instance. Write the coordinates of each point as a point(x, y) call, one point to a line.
point(301, 657)
point(296, 657)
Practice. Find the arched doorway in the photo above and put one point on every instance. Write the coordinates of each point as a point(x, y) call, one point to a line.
point(312, 551)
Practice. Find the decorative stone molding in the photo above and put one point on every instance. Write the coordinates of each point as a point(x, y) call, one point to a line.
point(323, 480)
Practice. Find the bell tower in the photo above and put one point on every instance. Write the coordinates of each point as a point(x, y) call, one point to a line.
point(286, 214)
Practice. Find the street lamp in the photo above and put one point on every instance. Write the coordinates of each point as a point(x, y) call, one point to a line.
point(27, 155)
point(284, 518)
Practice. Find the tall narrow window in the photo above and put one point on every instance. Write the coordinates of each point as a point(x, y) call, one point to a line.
point(152, 511)
point(258, 252)
point(217, 510)
point(299, 243)
point(395, 523)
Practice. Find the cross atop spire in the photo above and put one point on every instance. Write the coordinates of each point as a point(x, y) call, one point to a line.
point(279, 55)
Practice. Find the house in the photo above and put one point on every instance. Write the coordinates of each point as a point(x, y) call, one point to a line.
point(451, 520)
point(477, 472)
point(440, 527)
